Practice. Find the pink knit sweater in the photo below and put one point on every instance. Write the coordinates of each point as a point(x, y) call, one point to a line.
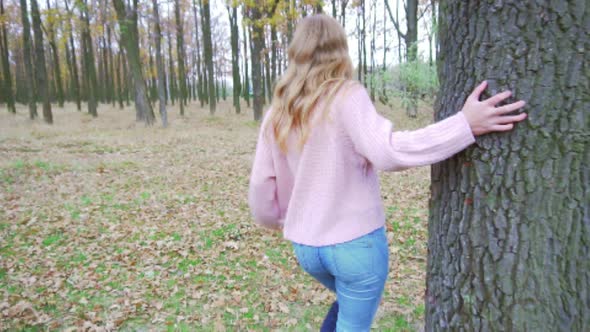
point(328, 192)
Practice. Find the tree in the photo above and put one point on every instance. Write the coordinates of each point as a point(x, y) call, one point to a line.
point(52, 18)
point(181, 57)
point(31, 96)
point(235, 56)
point(5, 64)
point(159, 64)
point(509, 217)
point(40, 70)
point(89, 72)
point(246, 85)
point(72, 62)
point(208, 49)
point(199, 74)
point(130, 39)
point(257, 35)
point(410, 37)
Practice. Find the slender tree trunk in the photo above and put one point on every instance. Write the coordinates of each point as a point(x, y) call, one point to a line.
point(200, 91)
point(127, 81)
point(235, 56)
point(110, 68)
point(31, 95)
point(181, 58)
point(433, 32)
point(268, 79)
point(172, 76)
point(373, 33)
point(40, 70)
point(6, 66)
point(89, 69)
point(120, 84)
point(399, 35)
point(130, 39)
point(509, 226)
point(74, 73)
point(246, 90)
point(343, 4)
point(360, 39)
point(206, 22)
point(364, 40)
point(273, 58)
point(385, 49)
point(257, 35)
point(56, 63)
point(412, 30)
point(159, 65)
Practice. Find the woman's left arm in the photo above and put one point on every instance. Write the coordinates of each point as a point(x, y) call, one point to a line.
point(262, 193)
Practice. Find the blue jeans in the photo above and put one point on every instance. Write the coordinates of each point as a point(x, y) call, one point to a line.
point(356, 271)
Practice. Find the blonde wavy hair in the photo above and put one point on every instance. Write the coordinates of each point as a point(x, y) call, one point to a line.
point(319, 65)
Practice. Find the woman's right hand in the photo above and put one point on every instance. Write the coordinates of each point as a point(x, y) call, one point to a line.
point(484, 117)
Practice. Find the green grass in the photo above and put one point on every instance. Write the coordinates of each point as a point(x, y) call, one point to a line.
point(52, 239)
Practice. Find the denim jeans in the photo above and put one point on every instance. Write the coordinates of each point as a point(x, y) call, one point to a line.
point(356, 271)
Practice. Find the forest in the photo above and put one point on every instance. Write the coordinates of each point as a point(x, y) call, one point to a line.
point(128, 130)
point(117, 52)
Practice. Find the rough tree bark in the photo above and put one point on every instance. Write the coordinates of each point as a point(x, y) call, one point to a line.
point(40, 70)
point(130, 39)
point(509, 228)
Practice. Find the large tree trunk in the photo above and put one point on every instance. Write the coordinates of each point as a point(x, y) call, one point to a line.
point(6, 65)
point(208, 48)
point(40, 70)
point(31, 96)
point(160, 65)
point(130, 39)
point(509, 228)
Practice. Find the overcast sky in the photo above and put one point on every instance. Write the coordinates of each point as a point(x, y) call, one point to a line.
point(218, 9)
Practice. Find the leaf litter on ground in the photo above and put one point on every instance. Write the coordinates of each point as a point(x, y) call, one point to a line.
point(106, 224)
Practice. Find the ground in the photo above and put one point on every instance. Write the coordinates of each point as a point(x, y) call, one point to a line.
point(108, 224)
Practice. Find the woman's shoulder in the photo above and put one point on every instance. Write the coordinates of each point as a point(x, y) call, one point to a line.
point(351, 95)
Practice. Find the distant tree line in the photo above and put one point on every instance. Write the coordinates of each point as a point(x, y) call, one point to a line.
point(94, 52)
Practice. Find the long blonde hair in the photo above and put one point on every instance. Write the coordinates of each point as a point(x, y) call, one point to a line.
point(319, 65)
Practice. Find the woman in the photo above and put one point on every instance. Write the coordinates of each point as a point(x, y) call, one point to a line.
point(314, 174)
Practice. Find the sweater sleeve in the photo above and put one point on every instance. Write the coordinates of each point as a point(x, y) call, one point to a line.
point(373, 137)
point(262, 193)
